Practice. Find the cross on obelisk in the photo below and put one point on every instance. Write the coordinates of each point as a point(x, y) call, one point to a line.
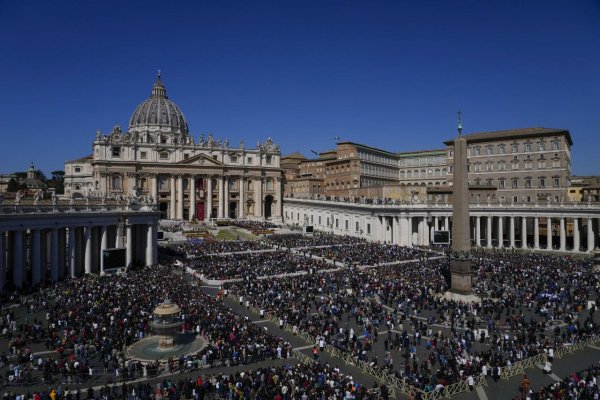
point(460, 258)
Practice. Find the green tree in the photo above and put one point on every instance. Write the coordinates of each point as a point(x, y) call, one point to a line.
point(13, 186)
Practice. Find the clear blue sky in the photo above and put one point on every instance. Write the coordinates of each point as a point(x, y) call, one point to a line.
point(387, 74)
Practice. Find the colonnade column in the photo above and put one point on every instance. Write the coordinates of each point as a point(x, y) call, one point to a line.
point(576, 238)
point(242, 191)
point(71, 256)
point(512, 232)
point(563, 235)
point(150, 245)
point(192, 211)
point(2, 260)
point(488, 232)
point(54, 266)
point(155, 189)
point(36, 257)
point(18, 259)
point(524, 232)
point(590, 235)
point(172, 207)
point(129, 245)
point(180, 197)
point(548, 233)
point(536, 233)
point(88, 249)
point(500, 233)
point(477, 231)
point(103, 246)
point(209, 196)
point(226, 197)
point(221, 196)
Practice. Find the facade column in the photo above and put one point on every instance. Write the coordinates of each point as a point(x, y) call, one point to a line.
point(172, 207)
point(88, 249)
point(242, 191)
point(563, 235)
point(536, 233)
point(258, 198)
point(71, 256)
point(426, 232)
point(488, 232)
point(18, 259)
point(524, 232)
point(209, 198)
point(54, 266)
point(129, 254)
point(548, 233)
point(436, 224)
point(576, 238)
point(446, 223)
point(2, 260)
point(36, 257)
point(150, 245)
point(192, 212)
point(103, 246)
point(226, 197)
point(590, 235)
point(395, 231)
point(221, 196)
point(477, 231)
point(500, 232)
point(155, 189)
point(180, 197)
point(512, 232)
point(409, 232)
point(278, 198)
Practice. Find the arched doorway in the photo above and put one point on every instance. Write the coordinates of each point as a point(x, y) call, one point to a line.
point(233, 209)
point(268, 206)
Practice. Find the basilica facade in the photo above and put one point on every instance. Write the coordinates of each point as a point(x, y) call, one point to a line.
point(157, 160)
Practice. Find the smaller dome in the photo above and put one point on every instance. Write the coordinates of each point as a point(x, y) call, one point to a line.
point(158, 112)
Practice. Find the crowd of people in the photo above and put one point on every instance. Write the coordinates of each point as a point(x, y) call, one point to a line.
point(297, 240)
point(367, 253)
point(195, 248)
point(440, 341)
point(581, 385)
point(92, 319)
point(251, 265)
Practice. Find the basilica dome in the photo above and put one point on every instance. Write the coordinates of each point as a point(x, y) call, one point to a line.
point(158, 113)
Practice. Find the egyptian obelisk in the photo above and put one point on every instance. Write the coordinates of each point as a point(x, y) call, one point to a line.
point(460, 259)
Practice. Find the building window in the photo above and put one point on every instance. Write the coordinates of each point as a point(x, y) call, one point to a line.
point(337, 223)
point(357, 227)
point(489, 182)
point(143, 155)
point(515, 183)
point(164, 155)
point(515, 148)
point(77, 187)
point(233, 159)
point(346, 224)
point(501, 184)
point(528, 183)
point(269, 159)
point(368, 229)
point(249, 160)
point(527, 147)
point(116, 183)
point(489, 151)
point(186, 156)
point(319, 220)
point(542, 146)
point(77, 169)
point(556, 182)
point(515, 165)
point(555, 145)
point(501, 149)
point(542, 164)
point(477, 151)
point(489, 166)
point(116, 152)
point(542, 182)
point(528, 164)
point(502, 166)
point(163, 183)
point(555, 163)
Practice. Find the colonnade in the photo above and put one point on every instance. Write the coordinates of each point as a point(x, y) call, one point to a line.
point(38, 248)
point(251, 196)
point(573, 228)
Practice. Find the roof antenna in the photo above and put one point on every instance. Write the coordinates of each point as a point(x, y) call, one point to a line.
point(459, 123)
